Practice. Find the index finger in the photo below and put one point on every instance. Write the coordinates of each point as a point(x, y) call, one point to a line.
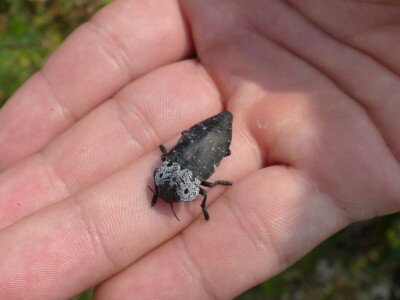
point(121, 42)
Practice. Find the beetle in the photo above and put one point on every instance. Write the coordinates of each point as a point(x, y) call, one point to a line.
point(192, 161)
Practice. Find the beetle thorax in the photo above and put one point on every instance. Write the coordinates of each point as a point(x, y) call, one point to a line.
point(176, 183)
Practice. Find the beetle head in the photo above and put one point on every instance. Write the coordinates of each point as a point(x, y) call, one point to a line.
point(175, 183)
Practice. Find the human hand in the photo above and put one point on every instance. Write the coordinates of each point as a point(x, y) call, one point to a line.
point(312, 87)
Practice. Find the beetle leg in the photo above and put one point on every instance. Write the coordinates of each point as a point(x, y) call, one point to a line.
point(203, 204)
point(164, 152)
point(228, 153)
point(154, 199)
point(218, 182)
point(172, 207)
point(155, 195)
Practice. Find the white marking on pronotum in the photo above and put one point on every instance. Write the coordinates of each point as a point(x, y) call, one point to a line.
point(181, 179)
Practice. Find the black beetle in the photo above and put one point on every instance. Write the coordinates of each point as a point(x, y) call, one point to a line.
point(192, 161)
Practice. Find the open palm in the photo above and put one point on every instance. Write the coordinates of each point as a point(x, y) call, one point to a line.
point(314, 90)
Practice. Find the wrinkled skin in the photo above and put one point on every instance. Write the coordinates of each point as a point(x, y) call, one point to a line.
point(314, 90)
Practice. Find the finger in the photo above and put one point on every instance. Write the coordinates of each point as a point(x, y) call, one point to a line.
point(262, 224)
point(372, 29)
point(354, 71)
point(79, 242)
point(301, 117)
point(139, 118)
point(118, 44)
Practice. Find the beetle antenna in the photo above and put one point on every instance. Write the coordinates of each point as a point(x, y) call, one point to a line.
point(151, 189)
point(172, 207)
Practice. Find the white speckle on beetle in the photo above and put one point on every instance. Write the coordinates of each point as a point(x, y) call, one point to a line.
point(181, 179)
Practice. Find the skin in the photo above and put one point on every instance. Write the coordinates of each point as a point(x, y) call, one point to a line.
point(313, 87)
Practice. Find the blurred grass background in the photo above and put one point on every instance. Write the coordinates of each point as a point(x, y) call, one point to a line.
point(360, 262)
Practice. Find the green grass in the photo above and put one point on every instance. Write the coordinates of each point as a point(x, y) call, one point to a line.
point(85, 296)
point(360, 261)
point(30, 31)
